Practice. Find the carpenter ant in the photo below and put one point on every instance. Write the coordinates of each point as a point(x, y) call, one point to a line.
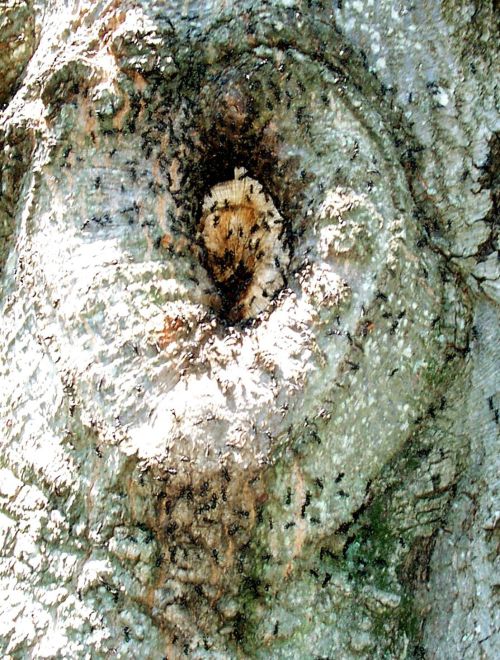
point(327, 579)
point(307, 502)
point(494, 410)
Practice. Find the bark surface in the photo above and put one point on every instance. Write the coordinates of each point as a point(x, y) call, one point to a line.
point(257, 419)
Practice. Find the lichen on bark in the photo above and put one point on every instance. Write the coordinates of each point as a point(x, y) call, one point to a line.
point(178, 479)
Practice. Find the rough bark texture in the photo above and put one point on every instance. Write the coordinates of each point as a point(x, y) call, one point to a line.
point(317, 477)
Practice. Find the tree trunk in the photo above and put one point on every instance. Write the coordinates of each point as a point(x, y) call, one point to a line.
point(249, 329)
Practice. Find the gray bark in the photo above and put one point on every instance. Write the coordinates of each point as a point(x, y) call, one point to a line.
point(310, 474)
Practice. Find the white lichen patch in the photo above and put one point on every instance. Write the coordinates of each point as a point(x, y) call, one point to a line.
point(351, 223)
point(323, 287)
point(242, 235)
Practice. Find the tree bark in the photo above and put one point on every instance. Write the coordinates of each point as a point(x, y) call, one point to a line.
point(256, 419)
